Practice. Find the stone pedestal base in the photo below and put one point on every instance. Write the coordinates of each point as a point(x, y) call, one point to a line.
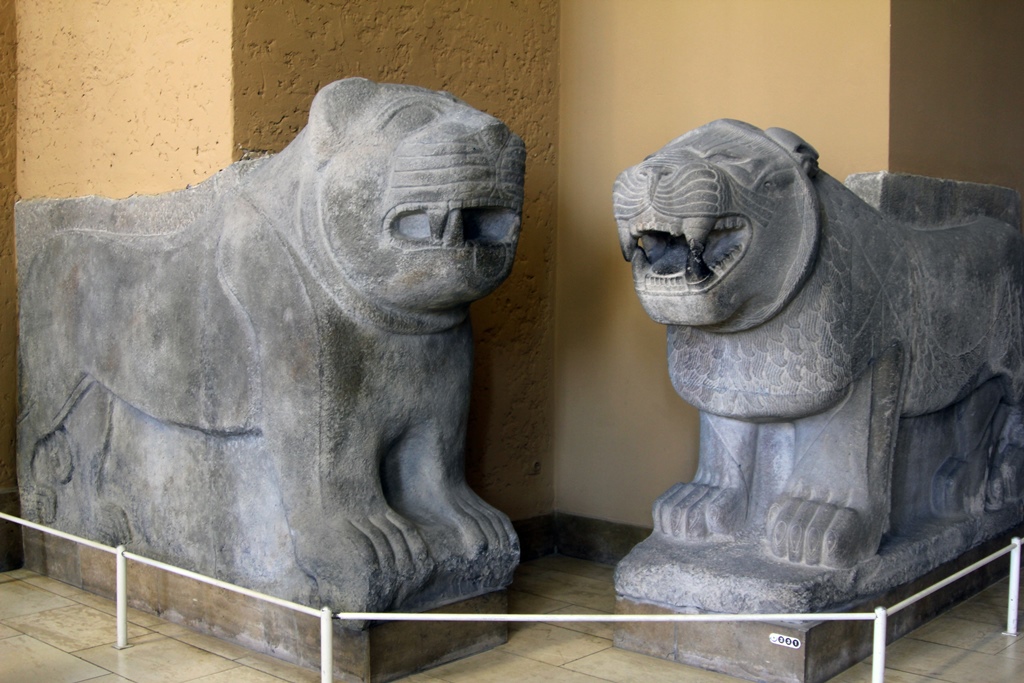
point(826, 648)
point(381, 652)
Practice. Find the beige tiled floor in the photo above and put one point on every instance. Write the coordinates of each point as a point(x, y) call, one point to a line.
point(53, 633)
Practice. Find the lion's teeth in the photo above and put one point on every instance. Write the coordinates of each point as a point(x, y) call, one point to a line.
point(729, 223)
point(721, 264)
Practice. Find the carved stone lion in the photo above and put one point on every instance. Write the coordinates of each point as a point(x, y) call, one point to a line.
point(856, 376)
point(266, 377)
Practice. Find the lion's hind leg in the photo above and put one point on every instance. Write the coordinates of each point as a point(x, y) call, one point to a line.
point(45, 449)
point(63, 450)
point(717, 500)
point(50, 465)
point(1005, 485)
point(958, 487)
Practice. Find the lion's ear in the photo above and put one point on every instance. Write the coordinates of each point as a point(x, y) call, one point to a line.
point(331, 110)
point(797, 147)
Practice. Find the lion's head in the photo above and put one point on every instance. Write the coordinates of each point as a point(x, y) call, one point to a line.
point(721, 225)
point(414, 195)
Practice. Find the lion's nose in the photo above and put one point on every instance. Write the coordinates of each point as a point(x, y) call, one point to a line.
point(655, 174)
point(481, 224)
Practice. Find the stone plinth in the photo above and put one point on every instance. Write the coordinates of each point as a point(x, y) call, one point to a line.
point(744, 649)
point(383, 651)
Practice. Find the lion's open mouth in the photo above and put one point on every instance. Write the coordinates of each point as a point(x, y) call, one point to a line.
point(452, 225)
point(693, 255)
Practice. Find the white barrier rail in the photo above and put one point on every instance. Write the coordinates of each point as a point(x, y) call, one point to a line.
point(879, 616)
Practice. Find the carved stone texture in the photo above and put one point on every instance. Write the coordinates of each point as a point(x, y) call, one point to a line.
point(858, 368)
point(266, 377)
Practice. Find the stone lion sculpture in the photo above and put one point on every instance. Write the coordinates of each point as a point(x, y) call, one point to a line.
point(266, 377)
point(856, 376)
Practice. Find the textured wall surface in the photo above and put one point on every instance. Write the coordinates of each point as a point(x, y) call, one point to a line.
point(502, 58)
point(635, 75)
point(120, 97)
point(8, 278)
point(956, 104)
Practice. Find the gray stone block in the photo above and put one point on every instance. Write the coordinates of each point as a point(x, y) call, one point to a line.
point(934, 201)
point(858, 365)
point(266, 377)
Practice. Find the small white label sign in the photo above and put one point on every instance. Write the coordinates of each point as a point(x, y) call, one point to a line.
point(785, 641)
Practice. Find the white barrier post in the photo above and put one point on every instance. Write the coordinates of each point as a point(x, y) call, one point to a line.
point(121, 586)
point(878, 649)
point(326, 646)
point(1014, 593)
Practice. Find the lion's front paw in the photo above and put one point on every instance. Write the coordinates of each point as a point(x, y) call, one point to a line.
point(697, 511)
point(377, 562)
point(817, 533)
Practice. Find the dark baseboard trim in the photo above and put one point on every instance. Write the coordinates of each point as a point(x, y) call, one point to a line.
point(595, 539)
point(582, 537)
point(536, 537)
point(12, 555)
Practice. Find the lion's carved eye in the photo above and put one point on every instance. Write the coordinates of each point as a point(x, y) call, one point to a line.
point(410, 117)
point(776, 181)
point(414, 226)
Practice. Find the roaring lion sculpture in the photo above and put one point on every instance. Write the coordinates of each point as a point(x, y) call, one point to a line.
point(266, 377)
point(858, 377)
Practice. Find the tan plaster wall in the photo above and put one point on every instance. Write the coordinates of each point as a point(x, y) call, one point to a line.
point(634, 74)
point(957, 94)
point(8, 278)
point(117, 97)
point(500, 56)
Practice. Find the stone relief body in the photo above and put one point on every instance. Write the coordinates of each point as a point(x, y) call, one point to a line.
point(859, 378)
point(266, 377)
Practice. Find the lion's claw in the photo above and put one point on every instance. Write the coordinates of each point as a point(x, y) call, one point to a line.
point(697, 511)
point(812, 532)
point(483, 528)
point(380, 560)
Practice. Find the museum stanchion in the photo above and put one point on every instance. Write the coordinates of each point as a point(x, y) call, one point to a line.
point(878, 648)
point(326, 616)
point(1014, 596)
point(121, 593)
point(326, 645)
